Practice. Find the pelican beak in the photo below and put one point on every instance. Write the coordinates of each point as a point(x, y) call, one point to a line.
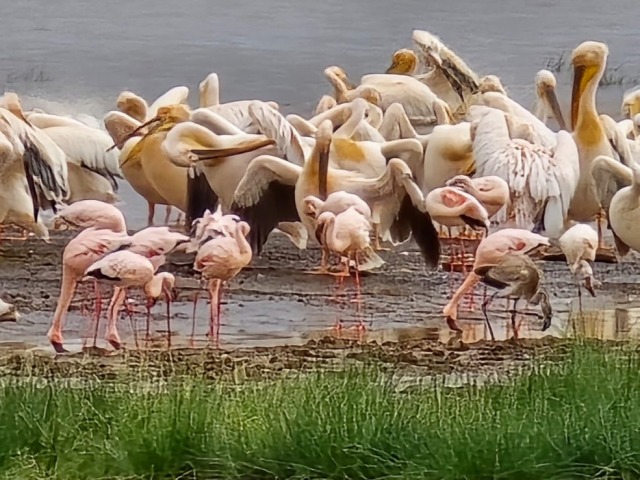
point(582, 75)
point(552, 98)
point(155, 119)
point(17, 111)
point(240, 148)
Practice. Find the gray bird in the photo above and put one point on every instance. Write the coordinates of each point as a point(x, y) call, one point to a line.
point(517, 277)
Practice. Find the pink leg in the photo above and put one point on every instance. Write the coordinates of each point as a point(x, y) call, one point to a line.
point(167, 295)
point(129, 311)
point(113, 312)
point(214, 287)
point(451, 309)
point(219, 313)
point(98, 311)
point(361, 326)
point(193, 318)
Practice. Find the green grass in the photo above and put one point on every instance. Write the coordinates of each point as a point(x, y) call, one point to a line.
point(578, 419)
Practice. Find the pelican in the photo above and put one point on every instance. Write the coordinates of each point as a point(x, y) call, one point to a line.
point(547, 105)
point(416, 98)
point(394, 198)
point(631, 103)
point(93, 168)
point(589, 61)
point(542, 180)
point(33, 170)
point(624, 208)
point(137, 108)
point(234, 112)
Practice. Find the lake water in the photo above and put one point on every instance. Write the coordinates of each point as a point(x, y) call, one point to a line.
point(70, 56)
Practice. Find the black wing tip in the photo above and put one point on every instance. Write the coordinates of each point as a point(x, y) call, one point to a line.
point(200, 197)
point(277, 204)
point(423, 231)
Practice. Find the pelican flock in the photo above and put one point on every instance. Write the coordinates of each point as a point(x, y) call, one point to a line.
point(427, 152)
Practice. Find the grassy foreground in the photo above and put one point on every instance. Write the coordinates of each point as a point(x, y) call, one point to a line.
point(579, 419)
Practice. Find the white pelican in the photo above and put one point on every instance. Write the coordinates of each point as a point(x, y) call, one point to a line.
point(624, 208)
point(365, 157)
point(589, 61)
point(394, 198)
point(235, 112)
point(542, 180)
point(137, 108)
point(416, 98)
point(547, 105)
point(33, 170)
point(631, 103)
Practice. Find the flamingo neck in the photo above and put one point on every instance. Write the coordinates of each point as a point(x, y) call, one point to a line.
point(243, 245)
point(154, 287)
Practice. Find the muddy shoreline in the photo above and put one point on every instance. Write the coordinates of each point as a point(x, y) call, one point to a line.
point(278, 317)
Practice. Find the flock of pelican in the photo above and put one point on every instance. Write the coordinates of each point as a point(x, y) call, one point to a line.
point(426, 147)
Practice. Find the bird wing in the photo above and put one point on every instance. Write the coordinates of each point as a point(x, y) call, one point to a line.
point(89, 148)
point(44, 162)
point(266, 196)
point(537, 176)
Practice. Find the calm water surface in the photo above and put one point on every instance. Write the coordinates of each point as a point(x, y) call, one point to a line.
point(71, 57)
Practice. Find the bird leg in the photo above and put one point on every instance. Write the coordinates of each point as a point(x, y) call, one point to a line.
point(324, 264)
point(599, 217)
point(129, 310)
point(167, 295)
point(219, 306)
point(358, 300)
point(112, 314)
point(376, 238)
point(98, 311)
point(151, 213)
point(167, 216)
point(485, 306)
point(514, 312)
point(214, 287)
point(193, 318)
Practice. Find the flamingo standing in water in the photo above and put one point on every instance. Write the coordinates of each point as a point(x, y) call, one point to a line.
point(347, 234)
point(81, 252)
point(219, 260)
point(153, 243)
point(490, 252)
point(126, 269)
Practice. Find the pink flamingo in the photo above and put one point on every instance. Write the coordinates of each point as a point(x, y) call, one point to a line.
point(346, 234)
point(90, 213)
point(153, 243)
point(82, 251)
point(452, 207)
point(491, 191)
point(219, 260)
point(211, 225)
point(126, 269)
point(489, 254)
point(337, 203)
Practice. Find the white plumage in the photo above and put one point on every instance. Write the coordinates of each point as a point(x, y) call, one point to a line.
point(542, 180)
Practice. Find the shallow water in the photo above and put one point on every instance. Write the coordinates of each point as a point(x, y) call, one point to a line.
point(67, 58)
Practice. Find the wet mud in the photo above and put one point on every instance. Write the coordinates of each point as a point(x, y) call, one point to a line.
point(277, 317)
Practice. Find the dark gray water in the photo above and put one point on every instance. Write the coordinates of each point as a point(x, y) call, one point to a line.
point(69, 57)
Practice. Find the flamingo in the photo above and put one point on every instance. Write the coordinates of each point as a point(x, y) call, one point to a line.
point(89, 246)
point(579, 245)
point(126, 269)
point(490, 251)
point(90, 213)
point(491, 191)
point(517, 276)
point(219, 260)
point(336, 203)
